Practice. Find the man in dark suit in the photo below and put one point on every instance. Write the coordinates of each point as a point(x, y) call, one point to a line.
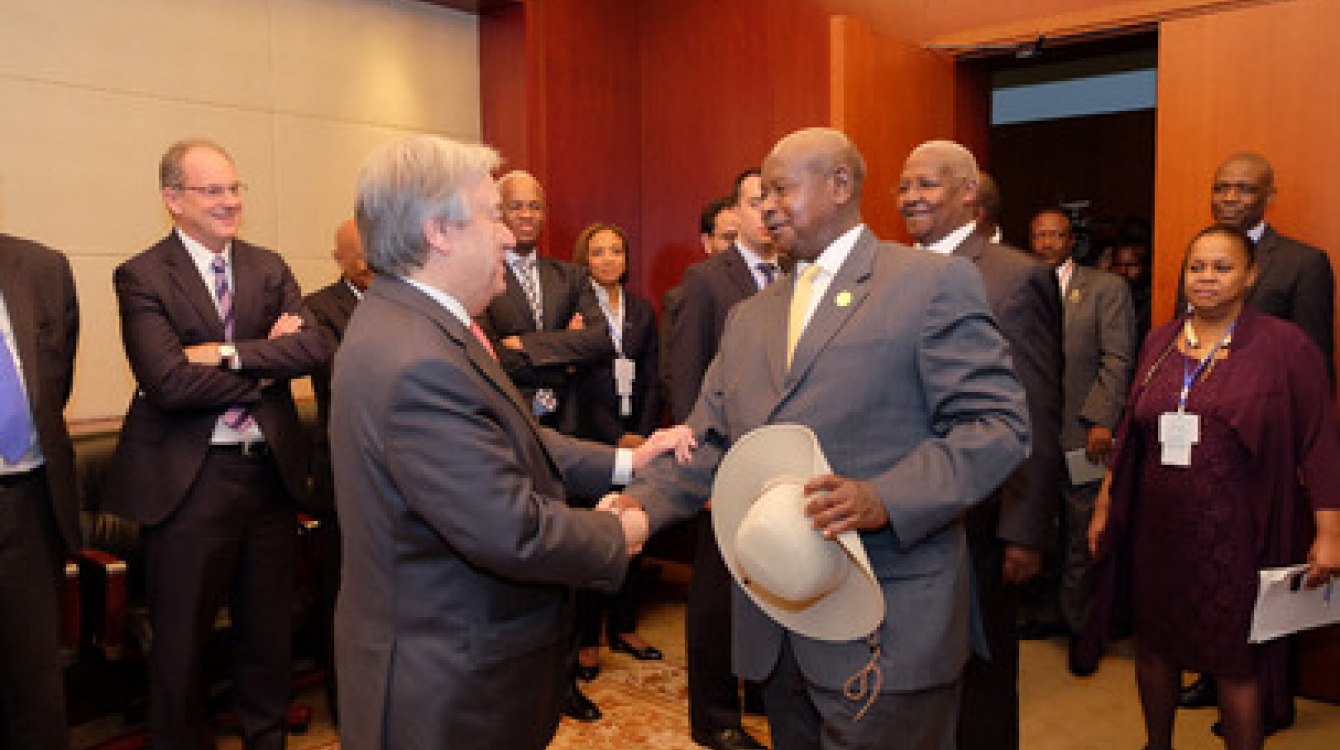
point(717, 230)
point(1100, 345)
point(212, 454)
point(454, 618)
point(548, 323)
point(711, 288)
point(1008, 532)
point(331, 307)
point(39, 513)
point(1294, 282)
point(891, 357)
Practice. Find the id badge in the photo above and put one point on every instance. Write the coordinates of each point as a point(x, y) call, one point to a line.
point(1178, 431)
point(625, 370)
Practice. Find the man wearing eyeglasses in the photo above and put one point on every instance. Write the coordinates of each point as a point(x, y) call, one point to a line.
point(211, 452)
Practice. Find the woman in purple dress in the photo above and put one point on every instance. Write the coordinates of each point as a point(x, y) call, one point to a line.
point(1228, 408)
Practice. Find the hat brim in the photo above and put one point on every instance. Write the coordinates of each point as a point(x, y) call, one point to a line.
point(780, 452)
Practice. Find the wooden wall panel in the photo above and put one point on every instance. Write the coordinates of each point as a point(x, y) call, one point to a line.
point(890, 95)
point(1252, 79)
point(721, 82)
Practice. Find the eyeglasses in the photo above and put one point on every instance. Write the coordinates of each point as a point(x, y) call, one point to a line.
point(216, 191)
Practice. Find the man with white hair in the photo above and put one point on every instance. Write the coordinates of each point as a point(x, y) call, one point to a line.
point(460, 551)
point(938, 195)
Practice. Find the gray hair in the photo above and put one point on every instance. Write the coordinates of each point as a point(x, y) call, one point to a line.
point(406, 183)
point(171, 172)
point(955, 160)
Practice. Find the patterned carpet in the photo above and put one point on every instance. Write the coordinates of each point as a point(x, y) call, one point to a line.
point(645, 706)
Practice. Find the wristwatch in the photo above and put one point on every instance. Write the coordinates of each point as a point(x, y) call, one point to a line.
point(227, 355)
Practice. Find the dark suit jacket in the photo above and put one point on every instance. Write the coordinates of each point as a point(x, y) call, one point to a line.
point(550, 358)
point(599, 418)
point(906, 390)
point(711, 288)
point(39, 294)
point(1026, 300)
point(331, 306)
point(166, 306)
point(459, 547)
point(1294, 282)
point(1100, 349)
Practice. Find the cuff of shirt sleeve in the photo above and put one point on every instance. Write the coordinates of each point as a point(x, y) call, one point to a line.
point(623, 466)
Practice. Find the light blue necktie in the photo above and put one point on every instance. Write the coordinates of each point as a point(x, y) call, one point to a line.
point(15, 421)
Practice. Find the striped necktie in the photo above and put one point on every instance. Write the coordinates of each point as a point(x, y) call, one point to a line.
point(235, 417)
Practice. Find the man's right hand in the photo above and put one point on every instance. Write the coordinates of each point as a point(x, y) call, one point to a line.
point(636, 527)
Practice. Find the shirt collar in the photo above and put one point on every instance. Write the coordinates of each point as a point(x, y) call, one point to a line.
point(1258, 231)
point(452, 305)
point(833, 256)
point(513, 256)
point(201, 255)
point(751, 258)
point(358, 293)
point(950, 242)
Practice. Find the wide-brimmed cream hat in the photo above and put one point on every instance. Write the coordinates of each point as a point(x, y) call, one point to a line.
point(821, 588)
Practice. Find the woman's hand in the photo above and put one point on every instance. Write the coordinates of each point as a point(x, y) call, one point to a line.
point(1324, 557)
point(1098, 524)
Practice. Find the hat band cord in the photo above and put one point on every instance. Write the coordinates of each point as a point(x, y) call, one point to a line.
point(867, 682)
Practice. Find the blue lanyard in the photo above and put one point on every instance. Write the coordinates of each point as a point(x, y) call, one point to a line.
point(615, 326)
point(1190, 377)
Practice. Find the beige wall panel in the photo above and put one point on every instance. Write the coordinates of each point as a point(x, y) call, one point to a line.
point(102, 379)
point(194, 50)
point(402, 63)
point(316, 176)
point(79, 167)
point(96, 90)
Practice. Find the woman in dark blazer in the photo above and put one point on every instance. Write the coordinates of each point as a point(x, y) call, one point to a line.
point(618, 404)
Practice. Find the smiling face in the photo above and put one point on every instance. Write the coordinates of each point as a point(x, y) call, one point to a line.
point(606, 258)
point(799, 205)
point(1219, 273)
point(207, 206)
point(932, 199)
point(523, 210)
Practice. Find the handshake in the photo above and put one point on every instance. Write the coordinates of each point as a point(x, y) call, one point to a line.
point(631, 517)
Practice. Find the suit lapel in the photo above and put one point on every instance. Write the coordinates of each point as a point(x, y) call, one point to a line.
point(521, 317)
point(842, 298)
point(737, 270)
point(186, 276)
point(1265, 253)
point(549, 297)
point(246, 294)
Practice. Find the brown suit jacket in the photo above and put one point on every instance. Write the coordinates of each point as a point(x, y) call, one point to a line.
point(166, 306)
point(39, 294)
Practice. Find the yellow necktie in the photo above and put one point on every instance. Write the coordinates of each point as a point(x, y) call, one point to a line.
point(800, 305)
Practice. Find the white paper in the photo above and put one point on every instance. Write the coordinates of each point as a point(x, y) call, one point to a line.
point(1082, 470)
point(1281, 610)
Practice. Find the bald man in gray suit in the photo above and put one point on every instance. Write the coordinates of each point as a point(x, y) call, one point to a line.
point(900, 370)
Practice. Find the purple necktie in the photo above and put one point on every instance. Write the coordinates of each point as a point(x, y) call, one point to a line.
point(15, 421)
point(236, 417)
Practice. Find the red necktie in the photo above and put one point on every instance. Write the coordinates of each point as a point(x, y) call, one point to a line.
point(483, 340)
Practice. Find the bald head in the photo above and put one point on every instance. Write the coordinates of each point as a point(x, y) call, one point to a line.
point(812, 190)
point(937, 193)
point(988, 203)
point(523, 208)
point(1243, 187)
point(349, 255)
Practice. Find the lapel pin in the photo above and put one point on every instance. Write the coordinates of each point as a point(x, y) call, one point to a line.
point(1074, 295)
point(843, 298)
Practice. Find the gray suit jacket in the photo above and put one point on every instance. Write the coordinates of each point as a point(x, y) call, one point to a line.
point(1100, 349)
point(908, 388)
point(459, 547)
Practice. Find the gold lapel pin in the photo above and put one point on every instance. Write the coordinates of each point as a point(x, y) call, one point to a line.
point(843, 298)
